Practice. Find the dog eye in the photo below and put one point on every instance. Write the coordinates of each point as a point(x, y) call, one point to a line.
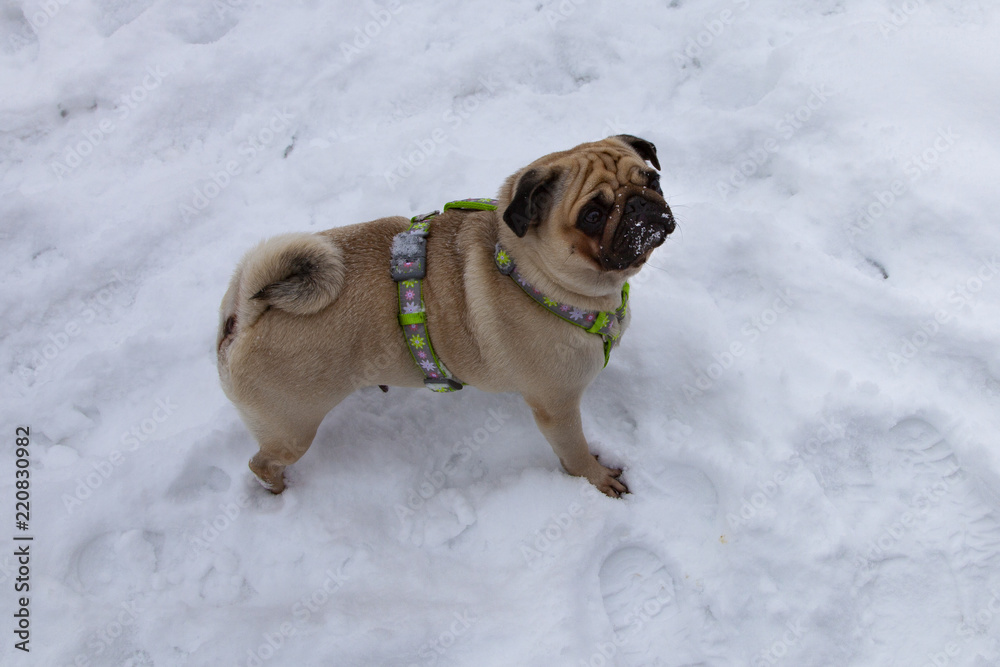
point(654, 183)
point(591, 220)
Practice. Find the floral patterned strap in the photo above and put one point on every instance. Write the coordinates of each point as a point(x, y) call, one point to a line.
point(606, 324)
point(408, 268)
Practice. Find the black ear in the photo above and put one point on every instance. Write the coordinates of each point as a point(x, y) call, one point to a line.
point(533, 197)
point(645, 149)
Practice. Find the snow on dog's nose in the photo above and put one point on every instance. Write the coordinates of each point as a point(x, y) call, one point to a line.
point(644, 222)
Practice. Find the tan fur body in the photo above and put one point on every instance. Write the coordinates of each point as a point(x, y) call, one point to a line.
point(286, 362)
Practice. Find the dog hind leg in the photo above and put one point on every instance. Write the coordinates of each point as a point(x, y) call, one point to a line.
point(283, 441)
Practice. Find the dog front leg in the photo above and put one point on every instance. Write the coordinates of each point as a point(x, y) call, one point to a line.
point(559, 421)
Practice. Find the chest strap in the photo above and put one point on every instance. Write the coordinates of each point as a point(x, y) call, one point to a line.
point(409, 268)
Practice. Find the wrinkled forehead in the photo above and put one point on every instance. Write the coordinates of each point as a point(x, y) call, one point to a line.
point(605, 169)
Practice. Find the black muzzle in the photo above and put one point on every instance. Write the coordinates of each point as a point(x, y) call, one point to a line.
point(641, 221)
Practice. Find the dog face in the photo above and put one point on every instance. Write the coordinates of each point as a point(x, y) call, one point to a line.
point(593, 214)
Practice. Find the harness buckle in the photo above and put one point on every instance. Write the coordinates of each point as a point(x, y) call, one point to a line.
point(409, 256)
point(442, 384)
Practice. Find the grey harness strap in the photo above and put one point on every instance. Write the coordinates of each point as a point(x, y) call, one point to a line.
point(408, 268)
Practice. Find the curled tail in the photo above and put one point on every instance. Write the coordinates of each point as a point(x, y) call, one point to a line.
point(298, 273)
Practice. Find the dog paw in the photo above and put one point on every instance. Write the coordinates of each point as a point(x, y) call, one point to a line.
point(270, 476)
point(275, 487)
point(605, 479)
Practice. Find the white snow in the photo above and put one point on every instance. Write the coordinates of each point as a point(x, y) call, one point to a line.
point(811, 446)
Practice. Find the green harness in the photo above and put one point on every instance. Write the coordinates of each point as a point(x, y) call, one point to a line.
point(409, 268)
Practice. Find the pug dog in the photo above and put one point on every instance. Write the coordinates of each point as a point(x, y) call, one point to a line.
point(310, 318)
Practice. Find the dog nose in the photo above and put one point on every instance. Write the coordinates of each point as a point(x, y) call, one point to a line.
point(646, 212)
point(644, 225)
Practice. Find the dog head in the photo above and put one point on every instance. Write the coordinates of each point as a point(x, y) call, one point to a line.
point(591, 215)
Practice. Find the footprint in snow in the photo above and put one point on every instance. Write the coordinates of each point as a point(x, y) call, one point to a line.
point(198, 22)
point(915, 593)
point(684, 485)
point(222, 587)
point(436, 520)
point(939, 565)
point(113, 14)
point(198, 479)
point(117, 564)
point(648, 626)
point(15, 25)
point(974, 540)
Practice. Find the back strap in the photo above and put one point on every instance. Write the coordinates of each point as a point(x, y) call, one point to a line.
point(473, 204)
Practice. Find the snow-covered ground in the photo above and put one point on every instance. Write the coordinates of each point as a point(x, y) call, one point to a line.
point(806, 402)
